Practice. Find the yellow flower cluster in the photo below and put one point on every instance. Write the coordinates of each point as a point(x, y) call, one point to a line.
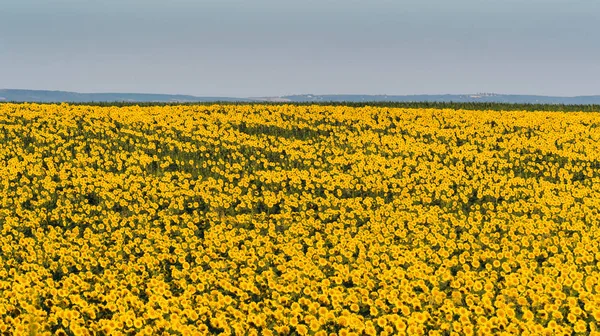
point(308, 220)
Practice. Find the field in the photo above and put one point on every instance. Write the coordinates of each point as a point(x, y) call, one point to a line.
point(307, 220)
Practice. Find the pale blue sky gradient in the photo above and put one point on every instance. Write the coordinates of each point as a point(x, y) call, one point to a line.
point(276, 47)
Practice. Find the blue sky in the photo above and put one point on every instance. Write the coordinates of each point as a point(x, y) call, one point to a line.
point(278, 47)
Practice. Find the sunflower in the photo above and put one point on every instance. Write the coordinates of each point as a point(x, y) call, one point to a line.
point(302, 329)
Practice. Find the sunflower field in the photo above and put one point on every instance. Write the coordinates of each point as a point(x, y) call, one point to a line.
point(298, 220)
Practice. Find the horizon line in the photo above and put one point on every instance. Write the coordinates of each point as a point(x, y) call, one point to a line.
point(304, 94)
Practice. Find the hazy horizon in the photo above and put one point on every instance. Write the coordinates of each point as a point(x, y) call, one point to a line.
point(234, 48)
point(302, 94)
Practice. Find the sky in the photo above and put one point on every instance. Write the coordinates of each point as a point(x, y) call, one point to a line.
point(257, 48)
